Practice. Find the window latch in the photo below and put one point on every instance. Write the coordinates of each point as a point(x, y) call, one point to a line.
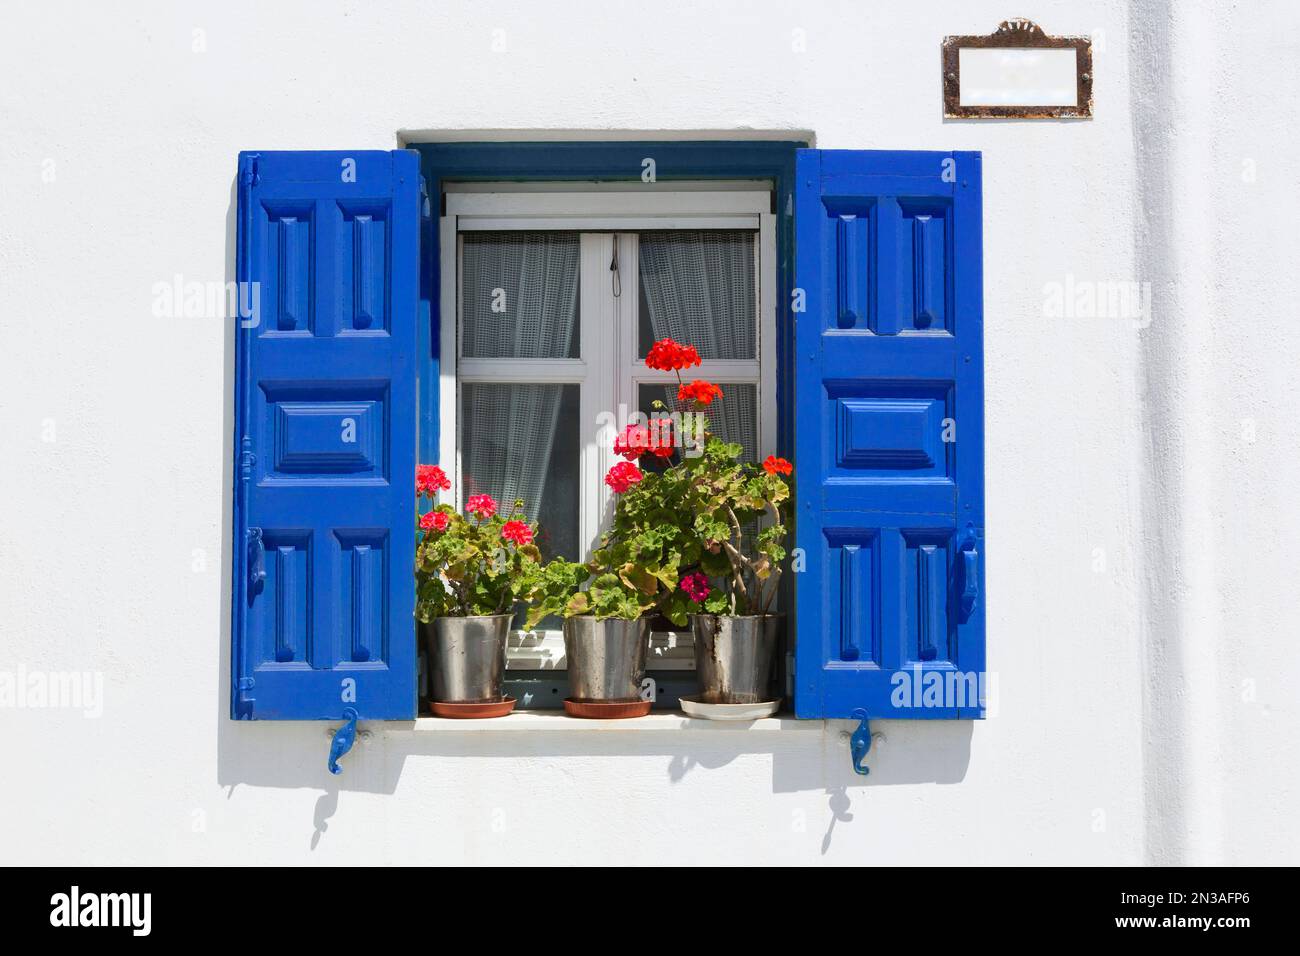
point(256, 561)
point(860, 742)
point(971, 576)
point(616, 279)
point(343, 740)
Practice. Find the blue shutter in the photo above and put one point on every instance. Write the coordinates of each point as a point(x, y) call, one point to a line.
point(889, 354)
point(324, 502)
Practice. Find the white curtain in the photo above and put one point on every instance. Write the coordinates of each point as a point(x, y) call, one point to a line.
point(519, 300)
point(699, 290)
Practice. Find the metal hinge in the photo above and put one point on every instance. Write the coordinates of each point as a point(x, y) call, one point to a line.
point(246, 459)
point(249, 175)
point(244, 700)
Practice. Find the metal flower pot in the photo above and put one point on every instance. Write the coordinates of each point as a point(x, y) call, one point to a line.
point(606, 659)
point(467, 657)
point(733, 656)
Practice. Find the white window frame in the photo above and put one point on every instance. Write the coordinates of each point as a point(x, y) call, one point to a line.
point(604, 214)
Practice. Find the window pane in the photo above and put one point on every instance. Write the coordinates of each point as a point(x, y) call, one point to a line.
point(734, 417)
point(519, 295)
point(698, 287)
point(521, 441)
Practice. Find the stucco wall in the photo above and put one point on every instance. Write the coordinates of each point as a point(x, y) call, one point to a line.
point(1142, 601)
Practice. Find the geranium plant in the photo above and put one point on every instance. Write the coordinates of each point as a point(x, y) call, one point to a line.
point(680, 533)
point(471, 564)
point(640, 558)
point(679, 543)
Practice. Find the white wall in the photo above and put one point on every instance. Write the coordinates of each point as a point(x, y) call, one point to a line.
point(1141, 572)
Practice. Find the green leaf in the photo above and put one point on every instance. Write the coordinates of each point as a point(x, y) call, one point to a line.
point(716, 602)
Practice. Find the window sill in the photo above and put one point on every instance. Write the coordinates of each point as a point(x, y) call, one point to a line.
point(532, 721)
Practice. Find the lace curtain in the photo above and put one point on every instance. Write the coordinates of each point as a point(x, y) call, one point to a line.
point(698, 288)
point(519, 300)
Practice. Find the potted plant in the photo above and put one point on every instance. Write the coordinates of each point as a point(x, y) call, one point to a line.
point(607, 602)
point(470, 570)
point(606, 635)
point(729, 567)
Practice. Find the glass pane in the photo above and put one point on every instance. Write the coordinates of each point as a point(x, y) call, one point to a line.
point(521, 441)
point(734, 417)
point(519, 296)
point(698, 287)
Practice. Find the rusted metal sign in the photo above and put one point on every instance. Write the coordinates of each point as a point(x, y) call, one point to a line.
point(1017, 72)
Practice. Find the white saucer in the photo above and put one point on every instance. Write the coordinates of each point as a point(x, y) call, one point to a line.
point(694, 707)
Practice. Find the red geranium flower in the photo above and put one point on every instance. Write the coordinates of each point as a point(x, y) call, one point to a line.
point(437, 520)
point(661, 437)
point(481, 506)
point(633, 443)
point(669, 356)
point(623, 476)
point(698, 391)
point(774, 466)
point(430, 479)
point(655, 438)
point(517, 531)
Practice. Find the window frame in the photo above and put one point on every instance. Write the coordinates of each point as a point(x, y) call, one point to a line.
point(603, 214)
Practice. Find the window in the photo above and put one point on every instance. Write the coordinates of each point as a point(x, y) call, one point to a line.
point(558, 295)
point(348, 368)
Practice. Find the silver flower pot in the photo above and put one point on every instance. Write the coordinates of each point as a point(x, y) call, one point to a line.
point(606, 659)
point(467, 657)
point(733, 656)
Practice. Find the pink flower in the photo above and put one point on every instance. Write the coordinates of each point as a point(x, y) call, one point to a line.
point(430, 479)
point(481, 506)
point(518, 532)
point(623, 476)
point(437, 520)
point(696, 586)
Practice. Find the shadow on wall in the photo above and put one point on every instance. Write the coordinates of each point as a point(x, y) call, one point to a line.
point(292, 754)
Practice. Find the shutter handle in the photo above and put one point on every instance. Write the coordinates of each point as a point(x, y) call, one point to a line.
point(256, 561)
point(860, 742)
point(343, 740)
point(971, 579)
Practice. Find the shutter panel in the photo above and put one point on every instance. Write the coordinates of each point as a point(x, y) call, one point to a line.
point(890, 508)
point(325, 436)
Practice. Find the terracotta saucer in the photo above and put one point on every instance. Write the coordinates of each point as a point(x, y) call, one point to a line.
point(606, 709)
point(473, 709)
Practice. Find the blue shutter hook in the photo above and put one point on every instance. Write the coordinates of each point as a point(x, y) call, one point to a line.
point(343, 740)
point(860, 742)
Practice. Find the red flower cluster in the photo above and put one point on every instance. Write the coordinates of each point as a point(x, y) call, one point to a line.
point(654, 438)
point(437, 520)
point(699, 391)
point(669, 356)
point(481, 506)
point(623, 476)
point(430, 479)
point(696, 586)
point(518, 532)
point(775, 466)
